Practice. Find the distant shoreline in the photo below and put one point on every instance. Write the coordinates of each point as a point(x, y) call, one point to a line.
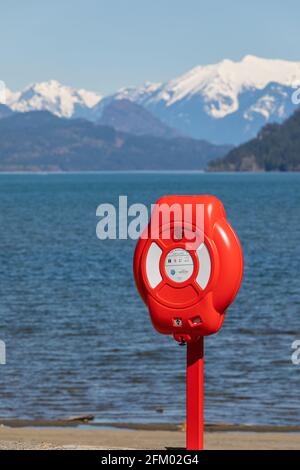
point(112, 172)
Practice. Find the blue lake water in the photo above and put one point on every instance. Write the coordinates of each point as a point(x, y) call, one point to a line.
point(78, 337)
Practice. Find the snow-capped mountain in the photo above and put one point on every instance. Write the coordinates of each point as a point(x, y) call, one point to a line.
point(219, 84)
point(226, 102)
point(63, 101)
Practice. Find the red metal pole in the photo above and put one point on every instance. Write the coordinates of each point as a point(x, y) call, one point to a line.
point(195, 395)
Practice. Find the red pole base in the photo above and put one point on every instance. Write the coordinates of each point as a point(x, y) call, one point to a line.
point(195, 395)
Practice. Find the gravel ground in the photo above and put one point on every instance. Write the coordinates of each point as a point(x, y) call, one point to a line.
point(110, 439)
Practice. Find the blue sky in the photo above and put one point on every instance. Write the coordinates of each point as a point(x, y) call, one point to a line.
point(105, 44)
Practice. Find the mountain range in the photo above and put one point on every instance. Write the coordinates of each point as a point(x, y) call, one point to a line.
point(127, 116)
point(41, 141)
point(227, 102)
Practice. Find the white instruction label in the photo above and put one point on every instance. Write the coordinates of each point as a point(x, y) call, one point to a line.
point(179, 265)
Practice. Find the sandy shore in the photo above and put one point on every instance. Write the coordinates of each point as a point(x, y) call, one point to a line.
point(99, 439)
